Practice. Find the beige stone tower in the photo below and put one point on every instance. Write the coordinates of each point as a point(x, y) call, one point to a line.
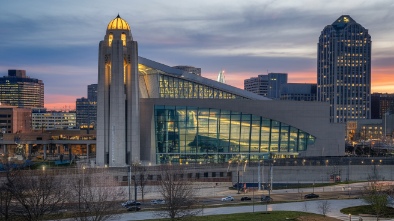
point(118, 137)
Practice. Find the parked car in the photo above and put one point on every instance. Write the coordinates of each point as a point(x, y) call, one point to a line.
point(266, 199)
point(133, 208)
point(245, 198)
point(158, 201)
point(228, 198)
point(131, 203)
point(311, 195)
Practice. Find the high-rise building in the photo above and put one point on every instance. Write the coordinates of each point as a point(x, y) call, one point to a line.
point(92, 92)
point(344, 70)
point(86, 109)
point(17, 89)
point(118, 138)
point(266, 85)
point(381, 104)
point(298, 92)
point(257, 85)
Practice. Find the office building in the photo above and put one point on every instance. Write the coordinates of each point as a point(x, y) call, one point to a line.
point(381, 104)
point(186, 118)
point(86, 113)
point(53, 120)
point(14, 119)
point(92, 92)
point(344, 70)
point(266, 85)
point(298, 92)
point(19, 90)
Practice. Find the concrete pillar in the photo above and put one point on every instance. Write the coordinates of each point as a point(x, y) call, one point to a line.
point(45, 151)
point(5, 149)
point(58, 149)
point(69, 151)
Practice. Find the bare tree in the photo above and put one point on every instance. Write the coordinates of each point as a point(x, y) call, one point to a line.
point(38, 193)
point(178, 193)
point(377, 198)
point(94, 199)
point(6, 207)
point(140, 178)
point(324, 207)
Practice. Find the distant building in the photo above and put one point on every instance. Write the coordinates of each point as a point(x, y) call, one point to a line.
point(189, 69)
point(14, 119)
point(266, 85)
point(92, 92)
point(53, 120)
point(381, 104)
point(86, 109)
point(86, 113)
point(298, 92)
point(221, 77)
point(17, 89)
point(344, 70)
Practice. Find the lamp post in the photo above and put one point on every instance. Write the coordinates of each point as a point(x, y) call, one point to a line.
point(83, 176)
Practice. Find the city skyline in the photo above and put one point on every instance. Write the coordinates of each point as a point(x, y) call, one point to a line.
point(57, 43)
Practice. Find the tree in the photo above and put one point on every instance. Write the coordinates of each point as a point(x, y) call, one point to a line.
point(94, 199)
point(140, 178)
point(6, 197)
point(178, 193)
point(38, 193)
point(376, 197)
point(324, 207)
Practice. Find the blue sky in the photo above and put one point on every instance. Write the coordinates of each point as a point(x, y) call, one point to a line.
point(57, 41)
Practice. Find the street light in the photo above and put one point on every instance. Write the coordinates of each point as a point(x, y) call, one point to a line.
point(83, 176)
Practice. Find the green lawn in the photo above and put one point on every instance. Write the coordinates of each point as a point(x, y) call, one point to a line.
point(356, 210)
point(258, 216)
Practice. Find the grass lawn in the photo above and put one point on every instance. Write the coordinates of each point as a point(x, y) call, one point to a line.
point(271, 216)
point(356, 210)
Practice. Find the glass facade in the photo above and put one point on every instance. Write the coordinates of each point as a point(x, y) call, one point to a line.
point(171, 87)
point(175, 87)
point(195, 135)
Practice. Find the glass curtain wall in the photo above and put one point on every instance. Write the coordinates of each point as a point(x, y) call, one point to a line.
point(205, 135)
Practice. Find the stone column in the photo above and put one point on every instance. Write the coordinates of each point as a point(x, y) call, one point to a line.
point(5, 149)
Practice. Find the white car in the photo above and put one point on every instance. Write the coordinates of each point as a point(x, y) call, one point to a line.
point(159, 201)
point(228, 198)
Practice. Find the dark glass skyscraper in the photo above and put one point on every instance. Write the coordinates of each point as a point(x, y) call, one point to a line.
point(344, 70)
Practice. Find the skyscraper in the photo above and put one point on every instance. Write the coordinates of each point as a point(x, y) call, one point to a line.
point(344, 70)
point(266, 85)
point(118, 138)
point(19, 90)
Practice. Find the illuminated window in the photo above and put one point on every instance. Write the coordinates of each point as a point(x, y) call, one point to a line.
point(110, 38)
point(123, 38)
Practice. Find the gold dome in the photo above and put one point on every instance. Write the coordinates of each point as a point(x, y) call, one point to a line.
point(119, 24)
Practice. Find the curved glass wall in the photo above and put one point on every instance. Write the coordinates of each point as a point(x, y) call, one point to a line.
point(172, 87)
point(194, 135)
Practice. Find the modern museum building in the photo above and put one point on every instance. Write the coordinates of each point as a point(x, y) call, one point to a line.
point(152, 113)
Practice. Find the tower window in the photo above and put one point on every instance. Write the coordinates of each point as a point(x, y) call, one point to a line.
point(110, 38)
point(123, 38)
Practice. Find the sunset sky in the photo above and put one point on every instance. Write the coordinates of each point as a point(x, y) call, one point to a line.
point(57, 41)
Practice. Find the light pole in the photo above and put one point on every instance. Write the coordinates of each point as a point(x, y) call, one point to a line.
point(83, 176)
point(129, 181)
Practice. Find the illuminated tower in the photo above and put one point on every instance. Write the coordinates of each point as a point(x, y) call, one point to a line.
point(344, 70)
point(118, 138)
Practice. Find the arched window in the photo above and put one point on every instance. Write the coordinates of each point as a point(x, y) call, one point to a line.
point(123, 38)
point(110, 38)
